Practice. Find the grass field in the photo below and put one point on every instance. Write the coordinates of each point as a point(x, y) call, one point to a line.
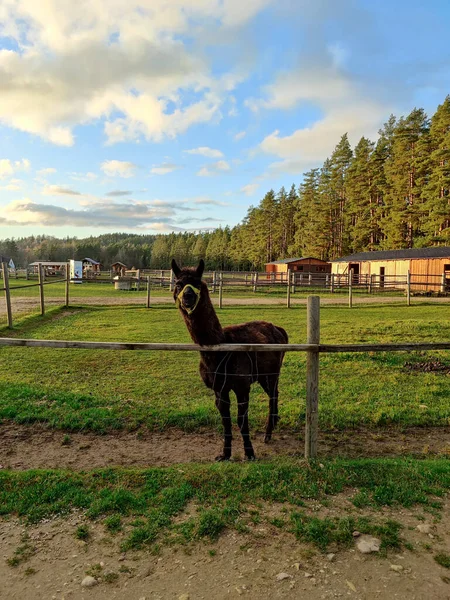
point(321, 503)
point(107, 390)
point(232, 496)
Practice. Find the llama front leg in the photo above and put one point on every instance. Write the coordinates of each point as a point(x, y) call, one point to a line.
point(223, 406)
point(243, 401)
point(270, 386)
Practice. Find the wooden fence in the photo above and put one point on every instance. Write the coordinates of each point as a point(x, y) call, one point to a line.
point(221, 281)
point(313, 348)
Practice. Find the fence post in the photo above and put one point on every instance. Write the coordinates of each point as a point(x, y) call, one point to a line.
point(288, 300)
point(312, 378)
point(162, 279)
point(220, 288)
point(41, 288)
point(370, 284)
point(67, 284)
point(172, 280)
point(255, 282)
point(332, 283)
point(408, 288)
point(350, 288)
point(148, 291)
point(7, 294)
point(138, 282)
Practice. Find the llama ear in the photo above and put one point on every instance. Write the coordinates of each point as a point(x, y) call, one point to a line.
point(175, 268)
point(200, 268)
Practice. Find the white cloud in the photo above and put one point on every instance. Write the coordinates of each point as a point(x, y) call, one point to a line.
point(13, 185)
point(206, 151)
point(209, 202)
point(240, 135)
point(164, 168)
point(345, 109)
point(58, 190)
point(214, 169)
point(83, 176)
point(250, 188)
point(93, 213)
point(9, 167)
point(47, 171)
point(118, 168)
point(57, 78)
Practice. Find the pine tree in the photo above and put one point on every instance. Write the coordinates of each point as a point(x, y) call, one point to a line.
point(403, 168)
point(339, 163)
point(437, 187)
point(361, 198)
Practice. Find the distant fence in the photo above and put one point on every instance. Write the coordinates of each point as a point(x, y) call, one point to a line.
point(220, 282)
point(254, 280)
point(313, 348)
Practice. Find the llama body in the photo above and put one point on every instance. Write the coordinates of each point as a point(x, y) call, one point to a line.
point(224, 372)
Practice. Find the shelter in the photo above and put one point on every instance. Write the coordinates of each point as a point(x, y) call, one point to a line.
point(301, 265)
point(118, 268)
point(429, 267)
point(89, 264)
point(50, 267)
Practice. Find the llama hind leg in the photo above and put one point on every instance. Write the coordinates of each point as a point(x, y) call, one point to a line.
point(223, 406)
point(270, 386)
point(243, 401)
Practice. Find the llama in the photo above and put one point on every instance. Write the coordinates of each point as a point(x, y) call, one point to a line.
point(230, 371)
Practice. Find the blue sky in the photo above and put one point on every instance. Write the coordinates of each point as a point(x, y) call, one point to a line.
point(152, 116)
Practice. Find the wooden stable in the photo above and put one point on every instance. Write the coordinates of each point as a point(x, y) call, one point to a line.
point(300, 265)
point(429, 267)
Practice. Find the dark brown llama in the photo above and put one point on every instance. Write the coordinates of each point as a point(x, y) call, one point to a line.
point(230, 371)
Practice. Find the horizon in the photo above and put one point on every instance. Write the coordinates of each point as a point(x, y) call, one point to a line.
point(165, 116)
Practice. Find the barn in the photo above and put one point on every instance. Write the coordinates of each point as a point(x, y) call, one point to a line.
point(429, 267)
point(301, 265)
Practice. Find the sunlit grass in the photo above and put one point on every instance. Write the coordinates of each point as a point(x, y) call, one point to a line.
point(102, 390)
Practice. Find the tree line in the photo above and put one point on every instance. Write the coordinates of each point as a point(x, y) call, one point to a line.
point(390, 194)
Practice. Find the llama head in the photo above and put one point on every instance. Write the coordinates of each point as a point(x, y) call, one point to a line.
point(188, 283)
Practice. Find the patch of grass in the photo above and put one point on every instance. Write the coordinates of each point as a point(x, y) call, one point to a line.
point(82, 533)
point(154, 497)
point(160, 390)
point(113, 523)
point(110, 577)
point(338, 531)
point(21, 554)
point(443, 559)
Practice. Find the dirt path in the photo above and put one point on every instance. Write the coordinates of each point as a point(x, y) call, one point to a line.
point(30, 447)
point(23, 304)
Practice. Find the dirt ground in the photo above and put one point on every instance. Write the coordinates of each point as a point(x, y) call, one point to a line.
point(265, 563)
point(37, 446)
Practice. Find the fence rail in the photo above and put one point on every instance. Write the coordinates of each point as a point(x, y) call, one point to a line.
point(313, 348)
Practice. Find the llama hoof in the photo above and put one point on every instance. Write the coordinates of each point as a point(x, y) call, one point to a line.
point(222, 458)
point(250, 457)
point(267, 438)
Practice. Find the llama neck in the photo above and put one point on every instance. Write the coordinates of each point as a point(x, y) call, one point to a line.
point(203, 324)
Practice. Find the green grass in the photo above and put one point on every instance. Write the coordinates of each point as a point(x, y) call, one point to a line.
point(100, 390)
point(225, 496)
point(443, 559)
